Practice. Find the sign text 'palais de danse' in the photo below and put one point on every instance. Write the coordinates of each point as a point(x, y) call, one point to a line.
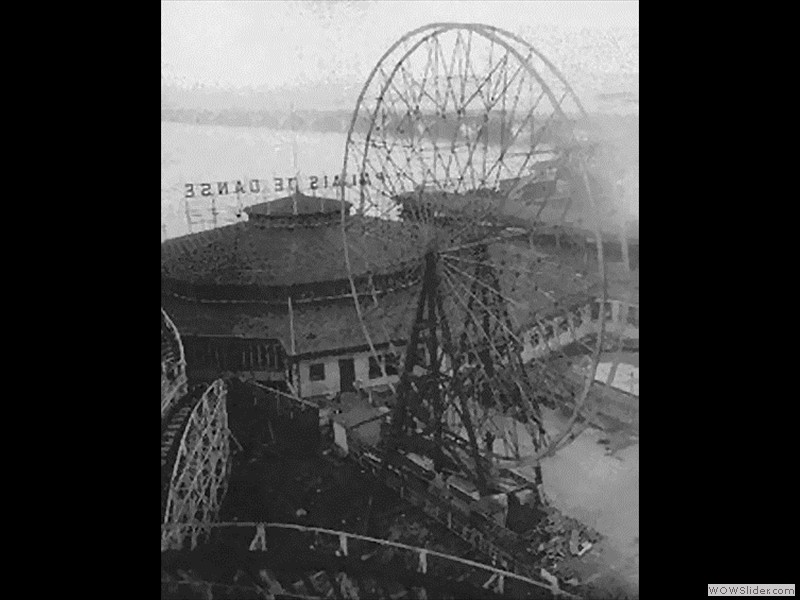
point(276, 184)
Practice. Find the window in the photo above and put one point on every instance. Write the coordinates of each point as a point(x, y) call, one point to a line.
point(316, 372)
point(374, 368)
point(392, 362)
point(595, 311)
point(422, 353)
point(609, 311)
point(633, 316)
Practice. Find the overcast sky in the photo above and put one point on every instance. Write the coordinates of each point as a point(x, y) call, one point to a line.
point(272, 44)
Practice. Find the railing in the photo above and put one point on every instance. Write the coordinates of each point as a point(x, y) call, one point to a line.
point(423, 560)
point(286, 405)
point(476, 528)
point(582, 321)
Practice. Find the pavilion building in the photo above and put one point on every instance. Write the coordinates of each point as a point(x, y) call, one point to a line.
point(270, 299)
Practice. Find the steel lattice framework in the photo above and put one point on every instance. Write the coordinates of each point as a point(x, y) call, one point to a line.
point(197, 479)
point(465, 147)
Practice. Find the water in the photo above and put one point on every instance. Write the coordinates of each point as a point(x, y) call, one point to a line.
point(210, 153)
point(213, 154)
point(197, 154)
point(601, 63)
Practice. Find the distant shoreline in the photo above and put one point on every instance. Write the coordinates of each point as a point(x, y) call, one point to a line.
point(335, 121)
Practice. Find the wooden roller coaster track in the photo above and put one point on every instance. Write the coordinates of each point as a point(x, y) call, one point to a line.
point(194, 463)
point(173, 365)
point(348, 553)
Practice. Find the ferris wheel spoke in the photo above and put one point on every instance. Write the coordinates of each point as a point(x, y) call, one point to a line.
point(483, 285)
point(388, 157)
point(494, 97)
point(395, 119)
point(442, 107)
point(478, 84)
point(464, 336)
point(503, 108)
point(402, 122)
point(485, 125)
point(482, 328)
point(417, 98)
point(399, 122)
point(531, 150)
point(539, 260)
point(531, 409)
point(507, 84)
point(460, 406)
point(426, 130)
point(463, 71)
point(489, 312)
point(478, 91)
point(518, 95)
point(402, 175)
point(423, 91)
point(366, 200)
point(540, 135)
point(458, 44)
point(475, 210)
point(472, 148)
point(491, 70)
point(383, 176)
point(480, 377)
point(428, 64)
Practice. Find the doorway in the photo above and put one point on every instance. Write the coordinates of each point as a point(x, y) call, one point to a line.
point(347, 374)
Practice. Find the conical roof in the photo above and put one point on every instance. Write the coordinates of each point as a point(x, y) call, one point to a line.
point(292, 241)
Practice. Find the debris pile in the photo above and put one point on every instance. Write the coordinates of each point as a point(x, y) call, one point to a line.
point(557, 538)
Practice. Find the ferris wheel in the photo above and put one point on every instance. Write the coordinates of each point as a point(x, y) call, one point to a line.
point(465, 149)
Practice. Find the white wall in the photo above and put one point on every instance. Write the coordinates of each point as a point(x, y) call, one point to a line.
point(340, 436)
point(587, 327)
point(620, 313)
point(625, 379)
point(332, 383)
point(318, 388)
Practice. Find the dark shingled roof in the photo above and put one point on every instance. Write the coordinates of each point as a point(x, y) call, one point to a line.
point(246, 254)
point(560, 210)
point(334, 326)
point(318, 329)
point(296, 252)
point(226, 319)
point(305, 205)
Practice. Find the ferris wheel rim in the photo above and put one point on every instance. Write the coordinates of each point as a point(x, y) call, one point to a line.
point(546, 61)
point(494, 35)
point(491, 33)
